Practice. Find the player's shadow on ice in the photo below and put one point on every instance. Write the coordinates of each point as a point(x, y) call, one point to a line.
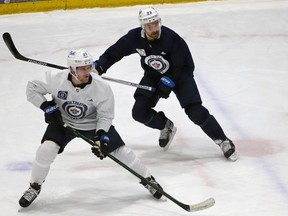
point(205, 150)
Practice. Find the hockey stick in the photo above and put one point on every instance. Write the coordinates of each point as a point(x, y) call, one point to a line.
point(190, 208)
point(11, 46)
point(149, 88)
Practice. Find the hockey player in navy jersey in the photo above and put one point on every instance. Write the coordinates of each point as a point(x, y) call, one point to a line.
point(168, 66)
point(85, 103)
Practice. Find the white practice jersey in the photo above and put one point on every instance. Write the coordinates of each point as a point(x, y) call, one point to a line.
point(91, 107)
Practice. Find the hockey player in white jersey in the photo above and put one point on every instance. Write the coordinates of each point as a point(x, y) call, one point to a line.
point(86, 103)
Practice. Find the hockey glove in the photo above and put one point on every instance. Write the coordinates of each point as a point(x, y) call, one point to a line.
point(101, 144)
point(97, 68)
point(165, 87)
point(52, 112)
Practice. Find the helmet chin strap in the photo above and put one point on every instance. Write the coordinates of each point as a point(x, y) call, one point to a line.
point(73, 73)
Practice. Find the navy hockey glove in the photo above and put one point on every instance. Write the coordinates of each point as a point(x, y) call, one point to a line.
point(96, 67)
point(52, 113)
point(101, 144)
point(165, 87)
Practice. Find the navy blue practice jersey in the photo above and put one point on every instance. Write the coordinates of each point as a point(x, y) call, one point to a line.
point(167, 55)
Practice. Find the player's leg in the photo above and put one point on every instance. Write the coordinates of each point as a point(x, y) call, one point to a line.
point(119, 150)
point(54, 141)
point(189, 98)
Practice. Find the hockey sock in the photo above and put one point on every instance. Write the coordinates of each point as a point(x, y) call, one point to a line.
point(45, 155)
point(127, 156)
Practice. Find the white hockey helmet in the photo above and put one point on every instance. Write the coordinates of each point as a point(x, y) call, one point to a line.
point(148, 15)
point(77, 58)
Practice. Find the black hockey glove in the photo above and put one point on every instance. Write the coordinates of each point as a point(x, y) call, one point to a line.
point(96, 67)
point(101, 144)
point(165, 87)
point(52, 113)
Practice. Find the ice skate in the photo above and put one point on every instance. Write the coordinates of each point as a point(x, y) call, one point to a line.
point(228, 149)
point(152, 190)
point(30, 195)
point(167, 134)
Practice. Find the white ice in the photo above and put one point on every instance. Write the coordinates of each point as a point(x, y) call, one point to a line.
point(240, 50)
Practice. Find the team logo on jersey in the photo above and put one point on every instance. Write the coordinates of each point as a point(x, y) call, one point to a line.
point(141, 52)
point(62, 95)
point(75, 109)
point(158, 63)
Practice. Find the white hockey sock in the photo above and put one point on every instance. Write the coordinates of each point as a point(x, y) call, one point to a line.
point(45, 155)
point(127, 156)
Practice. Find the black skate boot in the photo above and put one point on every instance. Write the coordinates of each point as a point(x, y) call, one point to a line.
point(30, 195)
point(167, 134)
point(228, 149)
point(153, 191)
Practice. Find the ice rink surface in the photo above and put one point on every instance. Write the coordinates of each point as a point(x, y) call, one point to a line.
point(240, 49)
